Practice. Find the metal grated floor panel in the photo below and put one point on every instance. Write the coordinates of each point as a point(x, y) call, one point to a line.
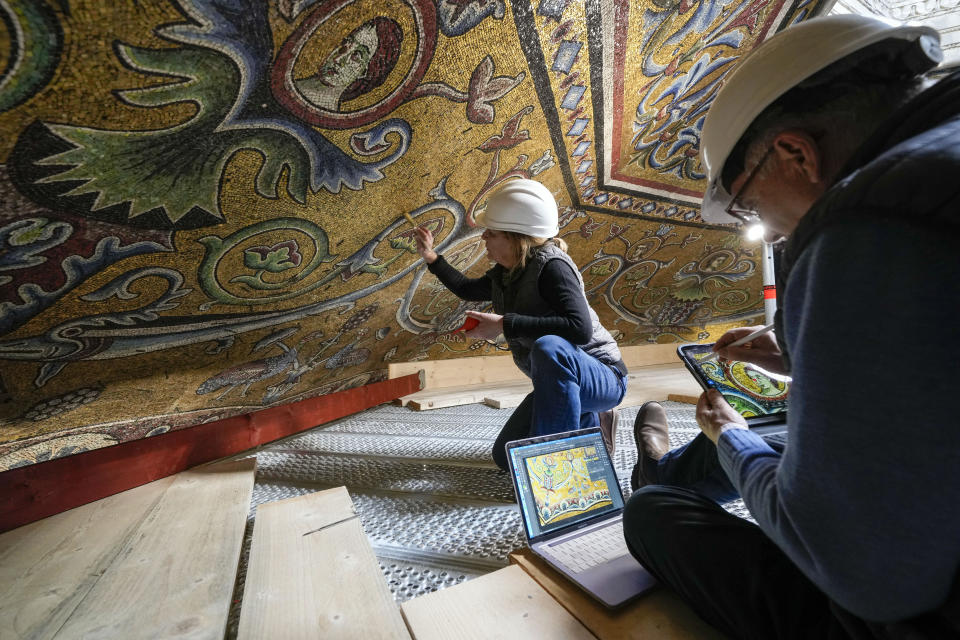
point(332, 470)
point(436, 510)
point(396, 446)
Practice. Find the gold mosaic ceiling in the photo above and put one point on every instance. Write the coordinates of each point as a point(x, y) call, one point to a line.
point(201, 201)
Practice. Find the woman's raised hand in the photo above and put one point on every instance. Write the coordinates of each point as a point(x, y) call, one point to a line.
point(425, 245)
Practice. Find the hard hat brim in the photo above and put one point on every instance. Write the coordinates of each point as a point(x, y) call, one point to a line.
point(714, 207)
point(483, 220)
point(770, 71)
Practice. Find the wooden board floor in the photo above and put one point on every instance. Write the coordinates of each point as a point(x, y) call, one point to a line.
point(659, 614)
point(158, 561)
point(312, 574)
point(504, 604)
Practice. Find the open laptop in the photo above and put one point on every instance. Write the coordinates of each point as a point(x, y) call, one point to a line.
point(572, 512)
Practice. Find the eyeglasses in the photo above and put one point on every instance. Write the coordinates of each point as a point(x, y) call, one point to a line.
point(746, 215)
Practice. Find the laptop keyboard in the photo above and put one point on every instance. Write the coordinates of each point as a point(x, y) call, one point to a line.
point(591, 549)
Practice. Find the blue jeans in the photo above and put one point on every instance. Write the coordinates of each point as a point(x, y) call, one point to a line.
point(696, 466)
point(570, 387)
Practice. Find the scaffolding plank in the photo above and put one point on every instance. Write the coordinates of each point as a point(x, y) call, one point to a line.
point(158, 561)
point(504, 604)
point(456, 372)
point(658, 614)
point(460, 395)
point(175, 578)
point(312, 574)
point(48, 567)
point(649, 382)
point(477, 370)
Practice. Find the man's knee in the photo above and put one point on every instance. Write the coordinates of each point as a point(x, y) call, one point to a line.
point(650, 521)
point(500, 455)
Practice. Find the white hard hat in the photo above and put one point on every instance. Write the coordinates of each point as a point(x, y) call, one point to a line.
point(778, 65)
point(522, 206)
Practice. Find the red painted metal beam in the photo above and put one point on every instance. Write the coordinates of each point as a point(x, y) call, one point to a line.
point(47, 488)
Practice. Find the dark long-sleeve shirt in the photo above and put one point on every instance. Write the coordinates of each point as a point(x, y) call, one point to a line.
point(864, 499)
point(558, 285)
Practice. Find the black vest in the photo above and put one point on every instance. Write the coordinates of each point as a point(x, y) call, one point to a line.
point(522, 296)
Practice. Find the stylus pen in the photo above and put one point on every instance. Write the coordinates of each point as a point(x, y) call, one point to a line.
point(744, 340)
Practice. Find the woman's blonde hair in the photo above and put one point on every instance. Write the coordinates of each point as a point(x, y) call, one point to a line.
point(524, 246)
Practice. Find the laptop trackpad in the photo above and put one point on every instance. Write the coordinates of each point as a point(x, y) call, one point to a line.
point(617, 581)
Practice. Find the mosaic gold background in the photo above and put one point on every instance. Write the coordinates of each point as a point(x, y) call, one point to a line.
point(201, 201)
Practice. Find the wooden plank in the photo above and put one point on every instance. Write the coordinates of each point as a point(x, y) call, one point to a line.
point(312, 574)
point(659, 614)
point(504, 604)
point(651, 382)
point(458, 372)
point(49, 566)
point(508, 396)
point(158, 561)
point(504, 400)
point(461, 372)
point(656, 382)
point(649, 354)
point(40, 490)
point(682, 397)
point(460, 395)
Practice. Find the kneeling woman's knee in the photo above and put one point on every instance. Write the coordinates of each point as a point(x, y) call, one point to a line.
point(550, 348)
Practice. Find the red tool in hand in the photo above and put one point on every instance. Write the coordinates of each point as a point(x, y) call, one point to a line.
point(468, 324)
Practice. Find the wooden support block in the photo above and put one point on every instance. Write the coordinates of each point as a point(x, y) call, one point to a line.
point(459, 372)
point(158, 561)
point(659, 614)
point(651, 382)
point(504, 400)
point(504, 604)
point(456, 396)
point(682, 397)
point(312, 574)
point(508, 396)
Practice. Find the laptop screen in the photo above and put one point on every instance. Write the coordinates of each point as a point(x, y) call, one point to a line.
point(564, 481)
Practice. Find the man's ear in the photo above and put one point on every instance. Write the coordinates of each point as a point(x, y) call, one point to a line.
point(798, 151)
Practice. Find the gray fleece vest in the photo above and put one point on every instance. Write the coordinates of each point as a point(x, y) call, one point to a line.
point(522, 296)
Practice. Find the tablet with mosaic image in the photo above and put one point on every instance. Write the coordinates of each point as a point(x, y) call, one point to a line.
point(750, 390)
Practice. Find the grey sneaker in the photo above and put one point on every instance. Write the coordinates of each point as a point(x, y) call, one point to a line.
point(652, 435)
point(609, 421)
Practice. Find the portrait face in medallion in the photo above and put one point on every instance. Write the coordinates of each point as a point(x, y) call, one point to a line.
point(359, 64)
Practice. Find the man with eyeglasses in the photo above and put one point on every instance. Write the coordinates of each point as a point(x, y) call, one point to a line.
point(831, 135)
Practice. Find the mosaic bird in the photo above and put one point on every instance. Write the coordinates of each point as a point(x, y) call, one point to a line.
point(249, 372)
